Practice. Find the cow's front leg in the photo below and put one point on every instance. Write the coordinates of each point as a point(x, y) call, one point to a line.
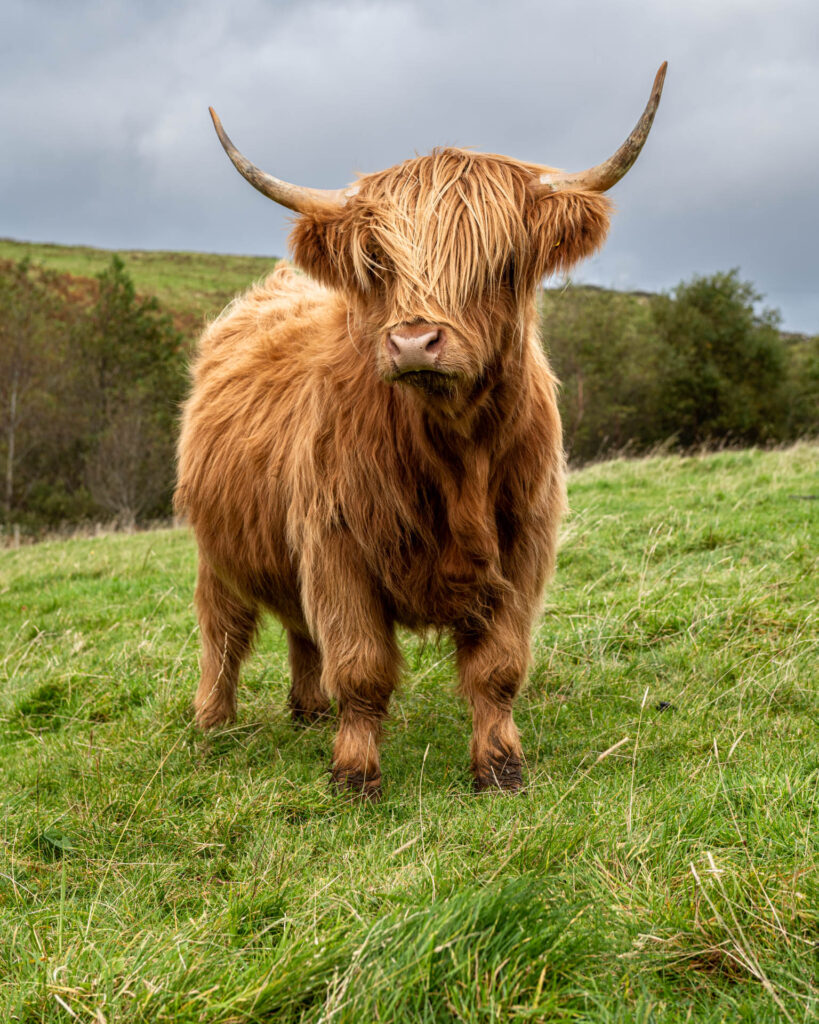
point(360, 660)
point(492, 665)
point(360, 671)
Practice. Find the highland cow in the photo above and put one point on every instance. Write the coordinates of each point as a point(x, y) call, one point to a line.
point(376, 442)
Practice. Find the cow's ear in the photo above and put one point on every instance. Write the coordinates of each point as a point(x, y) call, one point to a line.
point(566, 227)
point(336, 248)
point(317, 244)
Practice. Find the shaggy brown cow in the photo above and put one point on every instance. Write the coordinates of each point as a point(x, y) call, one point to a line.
point(377, 443)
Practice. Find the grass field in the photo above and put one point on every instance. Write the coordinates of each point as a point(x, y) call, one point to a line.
point(661, 867)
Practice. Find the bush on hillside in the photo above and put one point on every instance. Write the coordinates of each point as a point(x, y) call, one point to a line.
point(723, 374)
point(132, 387)
point(604, 349)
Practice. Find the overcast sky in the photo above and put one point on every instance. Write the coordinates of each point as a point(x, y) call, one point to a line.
point(107, 139)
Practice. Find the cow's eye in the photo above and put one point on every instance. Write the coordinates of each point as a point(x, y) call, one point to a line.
point(509, 273)
point(378, 264)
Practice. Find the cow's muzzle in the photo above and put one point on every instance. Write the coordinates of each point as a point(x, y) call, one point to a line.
point(416, 348)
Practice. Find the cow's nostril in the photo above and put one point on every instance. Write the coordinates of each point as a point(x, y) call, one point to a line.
point(415, 347)
point(435, 343)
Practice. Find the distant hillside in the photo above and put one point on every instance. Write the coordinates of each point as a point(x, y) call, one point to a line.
point(190, 285)
point(92, 372)
point(193, 286)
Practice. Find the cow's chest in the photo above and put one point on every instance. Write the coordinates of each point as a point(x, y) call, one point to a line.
point(445, 569)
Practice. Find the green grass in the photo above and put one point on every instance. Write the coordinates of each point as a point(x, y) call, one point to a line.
point(193, 285)
point(662, 866)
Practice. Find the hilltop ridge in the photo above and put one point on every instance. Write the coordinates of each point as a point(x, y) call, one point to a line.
point(192, 286)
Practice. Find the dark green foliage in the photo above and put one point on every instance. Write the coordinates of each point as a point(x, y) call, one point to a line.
point(697, 367)
point(132, 356)
point(802, 386)
point(722, 365)
point(91, 376)
point(604, 349)
point(35, 325)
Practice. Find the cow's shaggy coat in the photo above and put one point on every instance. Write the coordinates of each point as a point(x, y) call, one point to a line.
point(347, 499)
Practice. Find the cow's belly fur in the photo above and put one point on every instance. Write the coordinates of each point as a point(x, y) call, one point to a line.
point(245, 542)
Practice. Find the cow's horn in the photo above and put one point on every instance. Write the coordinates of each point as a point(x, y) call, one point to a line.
point(294, 197)
point(603, 176)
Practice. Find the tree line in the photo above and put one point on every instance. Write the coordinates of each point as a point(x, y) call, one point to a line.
point(92, 375)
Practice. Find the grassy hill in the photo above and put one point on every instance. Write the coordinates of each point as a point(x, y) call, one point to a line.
point(191, 285)
point(662, 866)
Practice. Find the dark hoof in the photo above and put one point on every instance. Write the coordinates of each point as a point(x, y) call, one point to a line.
point(504, 778)
point(356, 784)
point(310, 716)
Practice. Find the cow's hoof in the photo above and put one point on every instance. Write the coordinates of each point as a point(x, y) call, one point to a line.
point(354, 783)
point(214, 716)
point(496, 777)
point(310, 716)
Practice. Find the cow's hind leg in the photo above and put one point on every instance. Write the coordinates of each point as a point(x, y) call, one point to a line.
point(492, 665)
point(227, 627)
point(307, 700)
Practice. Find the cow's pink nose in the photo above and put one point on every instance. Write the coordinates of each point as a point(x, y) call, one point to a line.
point(415, 346)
